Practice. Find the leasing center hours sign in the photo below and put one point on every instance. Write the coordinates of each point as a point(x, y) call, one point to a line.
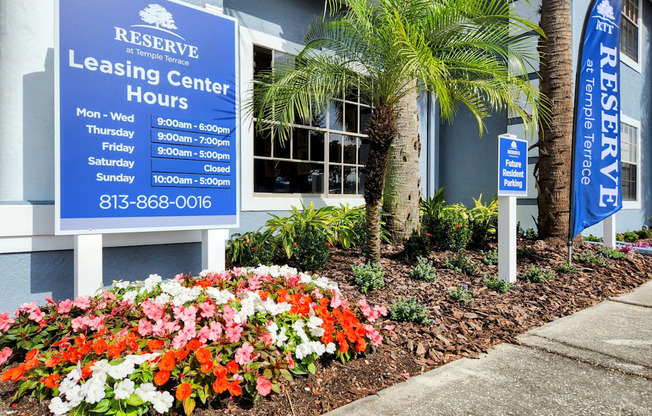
point(147, 117)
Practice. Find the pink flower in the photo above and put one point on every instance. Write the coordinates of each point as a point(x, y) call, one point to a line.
point(83, 302)
point(5, 322)
point(237, 272)
point(4, 355)
point(228, 314)
point(36, 315)
point(233, 332)
point(207, 309)
point(144, 327)
point(210, 333)
point(390, 329)
point(65, 306)
point(263, 386)
point(381, 310)
point(254, 283)
point(317, 294)
point(288, 357)
point(267, 339)
point(336, 301)
point(178, 278)
point(186, 314)
point(50, 300)
point(223, 276)
point(244, 354)
point(373, 334)
point(108, 296)
point(152, 310)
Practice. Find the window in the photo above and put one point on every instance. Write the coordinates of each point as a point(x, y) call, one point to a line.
point(325, 156)
point(630, 162)
point(629, 33)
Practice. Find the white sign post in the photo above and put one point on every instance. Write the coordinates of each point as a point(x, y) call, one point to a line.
point(609, 231)
point(512, 182)
point(88, 264)
point(213, 249)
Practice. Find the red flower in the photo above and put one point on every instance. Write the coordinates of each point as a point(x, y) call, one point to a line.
point(161, 378)
point(167, 362)
point(155, 344)
point(52, 362)
point(328, 244)
point(100, 346)
point(254, 248)
point(234, 388)
point(294, 244)
point(32, 354)
point(220, 384)
point(193, 345)
point(183, 391)
point(232, 366)
point(203, 355)
point(206, 367)
point(52, 381)
point(219, 371)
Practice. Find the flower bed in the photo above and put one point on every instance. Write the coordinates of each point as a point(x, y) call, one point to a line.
point(164, 344)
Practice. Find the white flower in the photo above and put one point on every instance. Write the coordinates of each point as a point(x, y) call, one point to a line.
point(122, 370)
point(130, 296)
point(162, 402)
point(75, 394)
point(162, 299)
point(101, 367)
point(220, 296)
point(302, 351)
point(330, 348)
point(75, 373)
point(95, 391)
point(152, 281)
point(146, 391)
point(281, 337)
point(123, 389)
point(58, 407)
point(314, 326)
point(120, 284)
point(66, 385)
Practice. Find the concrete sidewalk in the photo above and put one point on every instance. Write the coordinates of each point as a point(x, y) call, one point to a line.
point(595, 362)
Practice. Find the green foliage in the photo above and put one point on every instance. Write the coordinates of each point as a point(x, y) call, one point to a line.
point(525, 253)
point(409, 310)
point(588, 257)
point(431, 210)
point(536, 274)
point(528, 234)
point(566, 267)
point(462, 264)
point(368, 277)
point(490, 258)
point(312, 247)
point(343, 225)
point(462, 294)
point(451, 231)
point(644, 234)
point(424, 270)
point(629, 237)
point(483, 219)
point(251, 249)
point(612, 253)
point(417, 245)
point(592, 238)
point(497, 284)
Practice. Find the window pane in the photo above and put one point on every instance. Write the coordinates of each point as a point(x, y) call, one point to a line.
point(628, 182)
point(262, 59)
point(360, 180)
point(282, 149)
point(300, 145)
point(365, 114)
point(288, 177)
point(350, 146)
point(334, 179)
point(335, 114)
point(351, 117)
point(316, 146)
point(363, 153)
point(350, 178)
point(318, 118)
point(263, 144)
point(629, 39)
point(335, 148)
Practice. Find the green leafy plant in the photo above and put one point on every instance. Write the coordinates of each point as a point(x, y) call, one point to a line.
point(490, 258)
point(417, 245)
point(368, 277)
point(592, 238)
point(431, 209)
point(424, 270)
point(497, 284)
point(588, 257)
point(528, 234)
point(612, 253)
point(251, 249)
point(312, 248)
point(630, 237)
point(409, 310)
point(644, 234)
point(342, 225)
point(462, 294)
point(536, 274)
point(462, 264)
point(451, 231)
point(483, 219)
point(525, 253)
point(566, 267)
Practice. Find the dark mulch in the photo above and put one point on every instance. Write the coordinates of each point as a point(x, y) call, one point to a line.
point(457, 331)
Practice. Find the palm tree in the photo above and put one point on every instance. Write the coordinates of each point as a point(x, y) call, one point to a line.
point(464, 51)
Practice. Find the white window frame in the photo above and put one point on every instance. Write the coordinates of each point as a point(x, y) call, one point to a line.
point(636, 66)
point(250, 200)
point(636, 204)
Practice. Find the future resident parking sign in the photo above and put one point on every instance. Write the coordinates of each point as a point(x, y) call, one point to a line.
point(512, 166)
point(146, 117)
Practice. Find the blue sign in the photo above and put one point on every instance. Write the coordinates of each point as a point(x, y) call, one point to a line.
point(512, 166)
point(147, 119)
point(596, 184)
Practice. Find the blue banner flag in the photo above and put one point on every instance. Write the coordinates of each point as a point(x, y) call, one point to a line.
point(596, 166)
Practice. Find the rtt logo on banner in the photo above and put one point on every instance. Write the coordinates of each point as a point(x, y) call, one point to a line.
point(605, 19)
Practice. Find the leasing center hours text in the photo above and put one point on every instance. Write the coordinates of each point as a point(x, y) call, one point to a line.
point(152, 77)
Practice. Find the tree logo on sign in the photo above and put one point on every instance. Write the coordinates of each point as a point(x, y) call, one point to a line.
point(158, 18)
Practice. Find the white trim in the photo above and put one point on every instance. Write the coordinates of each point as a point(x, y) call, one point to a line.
point(249, 201)
point(636, 66)
point(636, 204)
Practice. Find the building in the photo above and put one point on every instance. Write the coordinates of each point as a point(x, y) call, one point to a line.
point(324, 162)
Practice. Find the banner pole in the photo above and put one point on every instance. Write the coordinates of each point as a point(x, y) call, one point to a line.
point(578, 71)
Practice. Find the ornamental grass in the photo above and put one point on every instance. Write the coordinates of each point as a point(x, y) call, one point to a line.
point(166, 345)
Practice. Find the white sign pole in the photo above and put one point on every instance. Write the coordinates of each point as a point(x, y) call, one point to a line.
point(609, 231)
point(88, 264)
point(213, 249)
point(507, 238)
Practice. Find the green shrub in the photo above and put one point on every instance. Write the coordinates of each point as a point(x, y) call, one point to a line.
point(483, 219)
point(430, 210)
point(359, 238)
point(368, 277)
point(462, 264)
point(497, 284)
point(592, 238)
point(490, 258)
point(528, 234)
point(462, 294)
point(588, 257)
point(451, 231)
point(409, 310)
point(566, 267)
point(630, 237)
point(250, 249)
point(417, 245)
point(424, 270)
point(612, 253)
point(536, 274)
point(312, 248)
point(644, 234)
point(525, 253)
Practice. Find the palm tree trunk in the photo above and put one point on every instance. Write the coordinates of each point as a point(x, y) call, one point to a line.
point(555, 138)
point(382, 130)
point(402, 193)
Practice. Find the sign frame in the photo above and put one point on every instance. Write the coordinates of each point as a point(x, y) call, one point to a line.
point(148, 228)
point(503, 139)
